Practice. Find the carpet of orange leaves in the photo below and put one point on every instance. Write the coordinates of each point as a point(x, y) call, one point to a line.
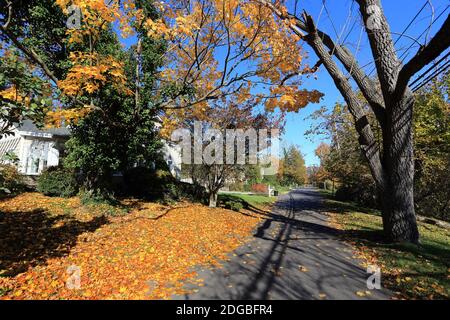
point(149, 253)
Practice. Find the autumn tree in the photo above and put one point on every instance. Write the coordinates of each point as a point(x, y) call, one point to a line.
point(120, 131)
point(292, 167)
point(218, 49)
point(214, 49)
point(22, 94)
point(313, 175)
point(323, 172)
point(341, 161)
point(432, 145)
point(345, 163)
point(25, 89)
point(391, 162)
point(227, 156)
point(66, 59)
point(87, 75)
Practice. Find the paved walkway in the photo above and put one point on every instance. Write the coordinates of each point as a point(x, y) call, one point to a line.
point(295, 254)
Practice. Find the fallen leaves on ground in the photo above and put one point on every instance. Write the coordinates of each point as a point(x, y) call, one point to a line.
point(409, 274)
point(303, 269)
point(150, 253)
point(363, 293)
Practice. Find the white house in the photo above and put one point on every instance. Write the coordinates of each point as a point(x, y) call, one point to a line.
point(35, 148)
point(38, 149)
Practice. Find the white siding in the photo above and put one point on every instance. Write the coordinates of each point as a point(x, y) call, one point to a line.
point(10, 144)
point(53, 156)
point(172, 156)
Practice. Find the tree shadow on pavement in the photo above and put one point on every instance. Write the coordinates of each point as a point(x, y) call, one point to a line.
point(295, 255)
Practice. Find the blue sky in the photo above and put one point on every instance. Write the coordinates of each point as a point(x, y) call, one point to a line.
point(399, 13)
point(345, 16)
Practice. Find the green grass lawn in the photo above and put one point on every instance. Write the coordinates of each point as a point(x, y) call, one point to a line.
point(253, 200)
point(413, 272)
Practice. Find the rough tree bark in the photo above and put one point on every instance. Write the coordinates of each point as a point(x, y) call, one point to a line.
point(213, 199)
point(215, 180)
point(392, 166)
point(399, 218)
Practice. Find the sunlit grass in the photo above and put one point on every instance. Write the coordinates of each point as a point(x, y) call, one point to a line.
point(251, 199)
point(411, 271)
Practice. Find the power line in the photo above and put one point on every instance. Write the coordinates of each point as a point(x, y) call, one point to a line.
point(425, 31)
point(353, 25)
point(429, 69)
point(329, 17)
point(438, 72)
point(350, 31)
point(404, 31)
point(405, 52)
point(412, 21)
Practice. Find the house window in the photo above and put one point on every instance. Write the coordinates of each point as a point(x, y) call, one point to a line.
point(37, 156)
point(35, 168)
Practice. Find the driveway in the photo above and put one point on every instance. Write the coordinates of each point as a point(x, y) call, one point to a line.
point(295, 254)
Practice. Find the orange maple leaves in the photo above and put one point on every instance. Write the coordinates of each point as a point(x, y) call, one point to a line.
point(216, 49)
point(90, 71)
point(292, 98)
point(130, 257)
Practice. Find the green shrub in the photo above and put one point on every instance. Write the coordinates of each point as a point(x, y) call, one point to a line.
point(192, 191)
point(143, 181)
point(159, 185)
point(11, 182)
point(234, 205)
point(58, 182)
point(271, 180)
point(365, 194)
point(97, 197)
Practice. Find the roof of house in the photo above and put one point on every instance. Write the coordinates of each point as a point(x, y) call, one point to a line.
point(29, 126)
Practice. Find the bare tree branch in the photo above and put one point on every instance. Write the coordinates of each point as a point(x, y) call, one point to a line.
point(437, 45)
point(366, 85)
point(31, 54)
point(380, 39)
point(8, 20)
point(367, 139)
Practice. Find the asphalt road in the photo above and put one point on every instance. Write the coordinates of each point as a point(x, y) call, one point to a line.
point(295, 254)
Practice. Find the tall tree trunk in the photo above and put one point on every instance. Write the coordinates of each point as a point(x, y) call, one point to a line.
point(213, 199)
point(393, 106)
point(394, 174)
point(399, 220)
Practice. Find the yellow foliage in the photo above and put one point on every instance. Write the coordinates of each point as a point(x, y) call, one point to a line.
point(291, 98)
point(261, 49)
point(90, 71)
point(13, 94)
point(10, 93)
point(55, 118)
